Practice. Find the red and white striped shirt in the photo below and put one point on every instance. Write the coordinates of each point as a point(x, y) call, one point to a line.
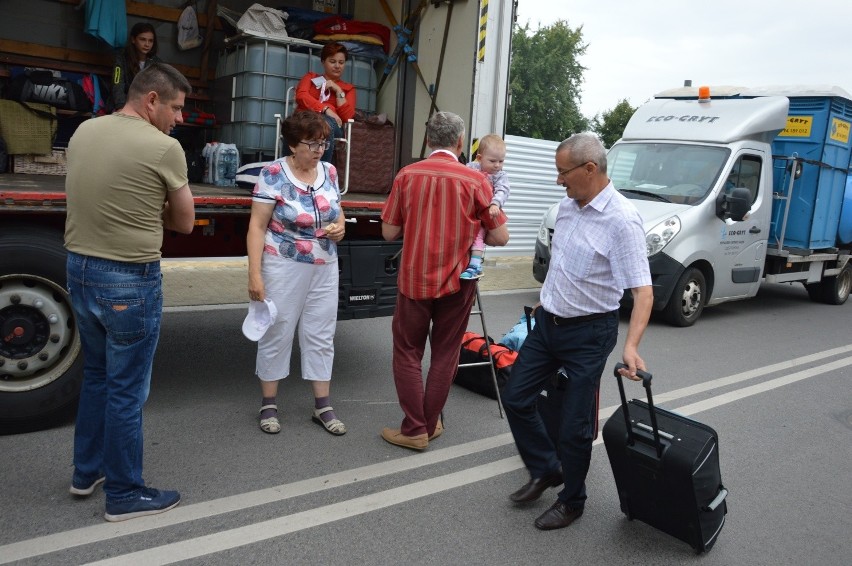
point(440, 205)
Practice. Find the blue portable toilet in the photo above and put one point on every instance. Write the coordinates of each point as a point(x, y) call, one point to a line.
point(844, 231)
point(819, 131)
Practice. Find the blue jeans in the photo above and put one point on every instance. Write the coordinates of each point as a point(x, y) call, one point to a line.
point(118, 307)
point(336, 132)
point(582, 350)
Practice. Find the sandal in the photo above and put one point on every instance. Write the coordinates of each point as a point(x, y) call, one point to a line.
point(270, 425)
point(334, 426)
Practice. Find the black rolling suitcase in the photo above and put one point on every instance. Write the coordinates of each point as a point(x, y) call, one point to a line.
point(666, 469)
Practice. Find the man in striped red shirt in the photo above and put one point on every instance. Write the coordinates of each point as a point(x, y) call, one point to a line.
point(437, 205)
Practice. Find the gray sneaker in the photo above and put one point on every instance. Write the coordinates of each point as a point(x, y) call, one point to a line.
point(149, 501)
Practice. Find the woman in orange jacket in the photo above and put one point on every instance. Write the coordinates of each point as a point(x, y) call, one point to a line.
point(327, 94)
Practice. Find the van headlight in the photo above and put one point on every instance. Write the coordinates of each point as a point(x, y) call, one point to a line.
point(660, 235)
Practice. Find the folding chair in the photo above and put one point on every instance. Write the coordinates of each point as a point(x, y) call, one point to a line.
point(346, 139)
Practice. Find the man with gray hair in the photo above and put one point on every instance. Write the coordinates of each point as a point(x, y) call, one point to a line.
point(598, 251)
point(437, 205)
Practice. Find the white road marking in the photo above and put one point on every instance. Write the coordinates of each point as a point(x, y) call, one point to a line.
point(241, 536)
point(751, 374)
point(182, 514)
point(738, 394)
point(97, 533)
point(233, 538)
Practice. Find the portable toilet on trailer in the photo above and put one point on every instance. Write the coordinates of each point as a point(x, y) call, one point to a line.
point(819, 121)
point(844, 232)
point(819, 132)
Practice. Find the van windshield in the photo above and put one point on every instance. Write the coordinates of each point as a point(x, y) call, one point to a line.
point(668, 172)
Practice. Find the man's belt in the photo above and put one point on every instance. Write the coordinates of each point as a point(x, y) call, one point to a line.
point(562, 321)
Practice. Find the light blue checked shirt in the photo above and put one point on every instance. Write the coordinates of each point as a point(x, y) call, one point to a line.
point(597, 252)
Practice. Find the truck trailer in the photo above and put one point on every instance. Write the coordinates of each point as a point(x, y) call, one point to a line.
point(736, 187)
point(454, 57)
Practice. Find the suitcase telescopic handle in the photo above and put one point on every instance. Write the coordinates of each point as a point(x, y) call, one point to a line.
point(646, 383)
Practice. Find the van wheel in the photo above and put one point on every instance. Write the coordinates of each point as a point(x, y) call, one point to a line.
point(41, 367)
point(687, 300)
point(832, 290)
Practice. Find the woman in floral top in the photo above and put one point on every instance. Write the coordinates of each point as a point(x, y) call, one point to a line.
point(295, 223)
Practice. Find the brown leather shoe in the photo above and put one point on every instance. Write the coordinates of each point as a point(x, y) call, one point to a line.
point(533, 489)
point(557, 517)
point(439, 430)
point(394, 436)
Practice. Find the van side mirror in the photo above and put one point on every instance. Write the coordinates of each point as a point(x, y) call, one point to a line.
point(734, 205)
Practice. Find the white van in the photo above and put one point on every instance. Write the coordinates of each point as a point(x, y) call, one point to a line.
point(719, 199)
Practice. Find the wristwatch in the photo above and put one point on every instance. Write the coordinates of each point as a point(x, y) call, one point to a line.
point(341, 95)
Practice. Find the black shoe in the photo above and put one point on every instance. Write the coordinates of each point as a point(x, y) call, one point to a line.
point(557, 517)
point(536, 486)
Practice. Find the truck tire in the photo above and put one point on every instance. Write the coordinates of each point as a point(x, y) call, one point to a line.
point(687, 300)
point(832, 290)
point(41, 365)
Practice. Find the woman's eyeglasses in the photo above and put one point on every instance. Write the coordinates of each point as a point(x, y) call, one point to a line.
point(316, 146)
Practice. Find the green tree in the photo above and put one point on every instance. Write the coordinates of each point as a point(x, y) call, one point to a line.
point(545, 82)
point(610, 126)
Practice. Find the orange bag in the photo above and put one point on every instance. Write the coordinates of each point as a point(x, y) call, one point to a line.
point(478, 378)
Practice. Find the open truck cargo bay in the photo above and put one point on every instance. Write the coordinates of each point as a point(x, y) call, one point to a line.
point(462, 52)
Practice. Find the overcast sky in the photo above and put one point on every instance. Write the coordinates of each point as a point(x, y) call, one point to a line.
point(637, 48)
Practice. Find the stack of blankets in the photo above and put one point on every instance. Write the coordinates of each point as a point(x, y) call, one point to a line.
point(367, 39)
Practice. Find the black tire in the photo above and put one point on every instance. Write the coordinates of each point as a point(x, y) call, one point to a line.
point(835, 290)
point(687, 301)
point(814, 291)
point(42, 369)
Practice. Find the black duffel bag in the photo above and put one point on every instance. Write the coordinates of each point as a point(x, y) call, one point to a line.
point(478, 378)
point(42, 86)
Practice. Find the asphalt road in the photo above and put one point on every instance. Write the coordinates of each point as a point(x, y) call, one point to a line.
point(771, 375)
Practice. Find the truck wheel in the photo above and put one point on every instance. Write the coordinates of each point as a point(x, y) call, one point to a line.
point(687, 300)
point(814, 291)
point(41, 367)
point(832, 290)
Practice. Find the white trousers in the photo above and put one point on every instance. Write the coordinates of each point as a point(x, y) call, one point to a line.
point(307, 295)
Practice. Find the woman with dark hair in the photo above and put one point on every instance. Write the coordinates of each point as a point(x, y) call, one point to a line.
point(327, 94)
point(139, 52)
point(295, 223)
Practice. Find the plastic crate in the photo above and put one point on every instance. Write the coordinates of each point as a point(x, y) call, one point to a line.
point(252, 140)
point(53, 164)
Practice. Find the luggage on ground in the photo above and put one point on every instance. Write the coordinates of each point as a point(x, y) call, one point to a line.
point(666, 469)
point(478, 378)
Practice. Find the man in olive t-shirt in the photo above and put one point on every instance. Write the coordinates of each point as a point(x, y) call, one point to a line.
point(126, 181)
